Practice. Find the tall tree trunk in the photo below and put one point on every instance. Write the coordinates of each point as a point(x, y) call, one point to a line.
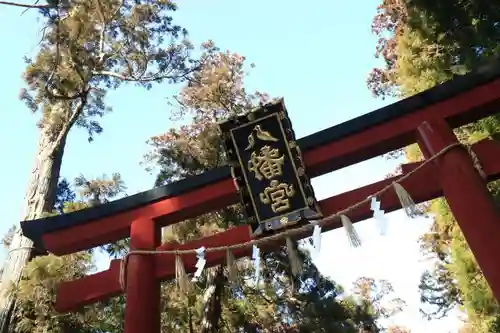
point(216, 311)
point(40, 198)
point(206, 325)
point(213, 307)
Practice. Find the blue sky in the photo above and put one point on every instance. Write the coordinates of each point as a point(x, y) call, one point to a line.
point(316, 55)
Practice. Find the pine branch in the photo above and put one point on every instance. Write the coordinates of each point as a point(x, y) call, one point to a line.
point(152, 78)
point(22, 5)
point(125, 78)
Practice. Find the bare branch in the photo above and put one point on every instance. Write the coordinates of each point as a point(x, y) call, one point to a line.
point(151, 78)
point(123, 77)
point(22, 5)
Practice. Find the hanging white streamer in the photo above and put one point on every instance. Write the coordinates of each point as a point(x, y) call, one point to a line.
point(256, 263)
point(200, 264)
point(316, 241)
point(379, 215)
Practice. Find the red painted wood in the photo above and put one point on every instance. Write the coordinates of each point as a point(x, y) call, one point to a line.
point(375, 141)
point(422, 186)
point(102, 285)
point(466, 192)
point(173, 209)
point(89, 289)
point(488, 152)
point(142, 309)
point(469, 106)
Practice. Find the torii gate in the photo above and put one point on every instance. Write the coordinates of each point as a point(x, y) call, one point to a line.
point(427, 118)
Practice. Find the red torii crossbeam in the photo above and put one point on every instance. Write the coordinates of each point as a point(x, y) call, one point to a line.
point(362, 144)
point(426, 118)
point(423, 186)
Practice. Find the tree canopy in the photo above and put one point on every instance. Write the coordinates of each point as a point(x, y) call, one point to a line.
point(423, 43)
point(87, 49)
point(91, 47)
point(35, 293)
point(281, 302)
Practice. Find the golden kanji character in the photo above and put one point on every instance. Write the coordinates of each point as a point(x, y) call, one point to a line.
point(277, 194)
point(261, 135)
point(267, 164)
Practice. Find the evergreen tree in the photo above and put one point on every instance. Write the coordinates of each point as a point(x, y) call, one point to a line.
point(88, 48)
point(282, 303)
point(424, 43)
point(64, 194)
point(35, 293)
point(309, 302)
point(376, 297)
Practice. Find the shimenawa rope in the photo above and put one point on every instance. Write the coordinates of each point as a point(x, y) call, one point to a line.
point(294, 232)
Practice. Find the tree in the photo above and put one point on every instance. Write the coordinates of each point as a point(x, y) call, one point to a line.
point(100, 190)
point(374, 294)
point(375, 297)
point(88, 48)
point(214, 92)
point(281, 302)
point(64, 194)
point(423, 43)
point(35, 293)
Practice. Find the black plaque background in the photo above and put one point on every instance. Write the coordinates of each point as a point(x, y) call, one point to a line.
point(240, 136)
point(239, 172)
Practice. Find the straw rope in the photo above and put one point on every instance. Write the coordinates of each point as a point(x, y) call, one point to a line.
point(307, 227)
point(476, 162)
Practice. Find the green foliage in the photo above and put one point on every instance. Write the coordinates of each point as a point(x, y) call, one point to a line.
point(424, 43)
point(439, 287)
point(214, 92)
point(64, 194)
point(35, 294)
point(373, 296)
point(431, 40)
point(100, 190)
point(90, 47)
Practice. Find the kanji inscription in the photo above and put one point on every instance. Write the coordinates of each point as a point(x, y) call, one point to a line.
point(268, 168)
point(277, 195)
point(267, 164)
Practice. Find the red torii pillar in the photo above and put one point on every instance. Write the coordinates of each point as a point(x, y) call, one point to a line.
point(467, 194)
point(142, 308)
